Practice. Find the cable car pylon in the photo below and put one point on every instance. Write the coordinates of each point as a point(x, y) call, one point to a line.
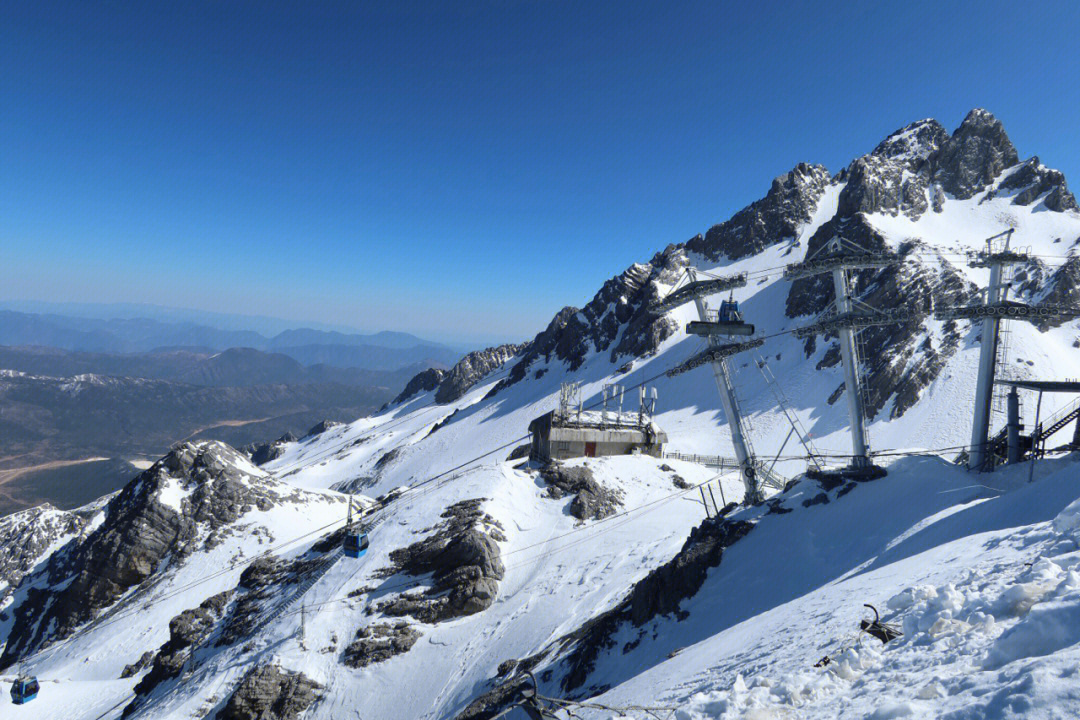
point(844, 316)
point(995, 307)
point(727, 323)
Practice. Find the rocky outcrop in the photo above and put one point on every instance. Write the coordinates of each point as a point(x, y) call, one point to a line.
point(620, 311)
point(658, 593)
point(269, 581)
point(464, 560)
point(262, 453)
point(473, 367)
point(790, 202)
point(591, 499)
point(321, 427)
point(186, 632)
point(26, 536)
point(424, 381)
point(377, 643)
point(269, 692)
point(976, 153)
point(188, 499)
point(1064, 290)
point(1033, 180)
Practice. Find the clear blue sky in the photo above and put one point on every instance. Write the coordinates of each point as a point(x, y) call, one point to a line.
point(459, 170)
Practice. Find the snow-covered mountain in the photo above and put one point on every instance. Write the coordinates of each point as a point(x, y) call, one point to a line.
point(210, 587)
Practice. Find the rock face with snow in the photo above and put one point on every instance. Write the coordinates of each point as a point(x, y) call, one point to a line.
point(471, 368)
point(973, 156)
point(188, 497)
point(186, 632)
point(464, 560)
point(592, 501)
point(378, 643)
point(262, 453)
point(776, 217)
point(269, 692)
point(423, 381)
point(26, 536)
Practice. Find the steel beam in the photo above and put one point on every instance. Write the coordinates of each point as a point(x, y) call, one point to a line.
point(697, 289)
point(720, 328)
point(984, 386)
point(1006, 310)
point(714, 354)
point(830, 263)
point(856, 411)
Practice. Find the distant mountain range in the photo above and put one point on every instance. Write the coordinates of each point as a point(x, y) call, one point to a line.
point(379, 351)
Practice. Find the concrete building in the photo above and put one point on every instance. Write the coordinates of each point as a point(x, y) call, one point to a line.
point(562, 435)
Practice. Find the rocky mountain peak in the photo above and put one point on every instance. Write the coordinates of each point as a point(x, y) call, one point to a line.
point(190, 498)
point(974, 155)
point(913, 143)
point(790, 202)
point(472, 368)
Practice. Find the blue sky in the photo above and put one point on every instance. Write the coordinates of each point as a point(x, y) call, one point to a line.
point(459, 170)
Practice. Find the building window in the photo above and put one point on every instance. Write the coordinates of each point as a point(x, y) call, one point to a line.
point(563, 445)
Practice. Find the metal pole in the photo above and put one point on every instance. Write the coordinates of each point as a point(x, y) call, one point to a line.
point(1012, 401)
point(856, 412)
point(731, 409)
point(984, 388)
point(704, 502)
point(1034, 435)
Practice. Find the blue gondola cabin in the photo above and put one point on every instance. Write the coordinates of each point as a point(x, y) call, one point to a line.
point(24, 689)
point(356, 544)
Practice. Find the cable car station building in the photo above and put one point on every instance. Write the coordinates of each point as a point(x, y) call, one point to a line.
point(558, 436)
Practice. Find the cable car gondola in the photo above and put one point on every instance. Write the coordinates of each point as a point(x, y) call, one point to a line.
point(24, 689)
point(729, 321)
point(355, 543)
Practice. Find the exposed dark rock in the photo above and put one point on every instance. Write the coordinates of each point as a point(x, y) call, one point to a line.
point(140, 532)
point(622, 301)
point(914, 143)
point(493, 701)
point(25, 536)
point(321, 427)
point(659, 593)
point(262, 453)
point(138, 666)
point(472, 368)
point(387, 458)
point(378, 643)
point(464, 559)
point(901, 361)
point(424, 381)
point(1064, 290)
point(270, 693)
point(265, 583)
point(895, 177)
point(775, 218)
point(521, 451)
point(973, 156)
point(591, 499)
point(186, 632)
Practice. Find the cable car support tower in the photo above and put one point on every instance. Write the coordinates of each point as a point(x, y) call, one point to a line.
point(726, 324)
point(995, 308)
point(845, 316)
